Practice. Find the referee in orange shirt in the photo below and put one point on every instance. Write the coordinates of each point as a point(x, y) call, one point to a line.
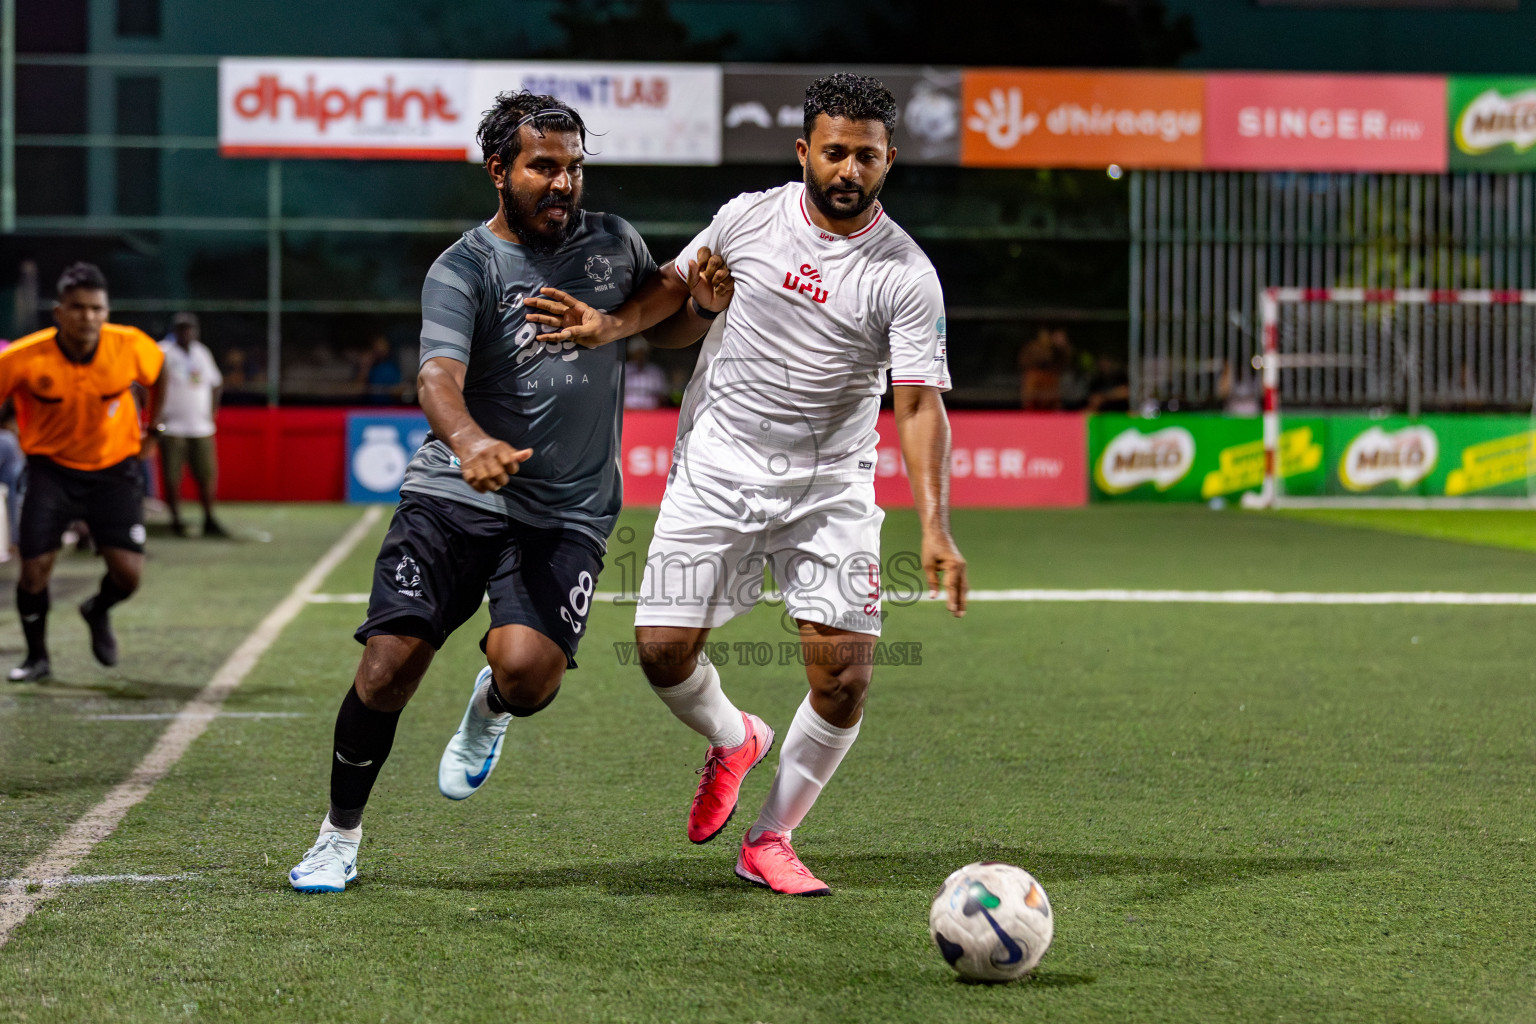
point(80, 429)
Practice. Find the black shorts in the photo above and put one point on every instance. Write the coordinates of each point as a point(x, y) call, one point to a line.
point(111, 501)
point(440, 558)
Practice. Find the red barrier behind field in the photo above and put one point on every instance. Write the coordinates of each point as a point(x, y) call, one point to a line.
point(1001, 459)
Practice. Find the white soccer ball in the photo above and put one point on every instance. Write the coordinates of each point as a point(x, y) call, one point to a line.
point(991, 921)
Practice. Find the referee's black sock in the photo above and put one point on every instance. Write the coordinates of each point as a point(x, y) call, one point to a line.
point(33, 609)
point(109, 595)
point(363, 741)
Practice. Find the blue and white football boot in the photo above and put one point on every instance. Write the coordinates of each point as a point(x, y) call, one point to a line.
point(475, 748)
point(328, 866)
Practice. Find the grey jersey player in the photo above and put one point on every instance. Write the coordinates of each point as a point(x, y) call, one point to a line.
point(516, 490)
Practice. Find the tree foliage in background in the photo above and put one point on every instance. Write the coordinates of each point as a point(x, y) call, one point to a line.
point(630, 30)
point(985, 33)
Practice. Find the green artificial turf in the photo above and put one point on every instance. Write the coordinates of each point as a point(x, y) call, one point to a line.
point(1242, 813)
point(1501, 528)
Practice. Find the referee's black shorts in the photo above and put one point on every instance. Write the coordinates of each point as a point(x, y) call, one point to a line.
point(110, 501)
point(441, 558)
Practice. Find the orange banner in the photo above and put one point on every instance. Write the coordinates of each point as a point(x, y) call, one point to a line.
point(1081, 119)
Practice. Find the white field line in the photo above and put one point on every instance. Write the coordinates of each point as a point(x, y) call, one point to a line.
point(52, 883)
point(1121, 596)
point(60, 859)
point(160, 716)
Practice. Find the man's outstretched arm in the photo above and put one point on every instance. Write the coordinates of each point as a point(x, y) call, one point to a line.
point(663, 295)
point(923, 428)
point(487, 464)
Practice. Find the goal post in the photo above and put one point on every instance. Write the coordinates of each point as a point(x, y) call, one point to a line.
point(1271, 361)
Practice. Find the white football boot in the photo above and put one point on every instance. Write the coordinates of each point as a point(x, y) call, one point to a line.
point(474, 750)
point(328, 866)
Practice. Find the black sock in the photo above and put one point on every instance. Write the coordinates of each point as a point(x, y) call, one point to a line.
point(494, 701)
point(33, 609)
point(497, 703)
point(363, 740)
point(109, 595)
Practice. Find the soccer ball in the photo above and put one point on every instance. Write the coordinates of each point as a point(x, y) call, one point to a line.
point(991, 921)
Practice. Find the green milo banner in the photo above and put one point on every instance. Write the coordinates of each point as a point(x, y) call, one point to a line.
point(1196, 458)
point(1492, 123)
point(1439, 456)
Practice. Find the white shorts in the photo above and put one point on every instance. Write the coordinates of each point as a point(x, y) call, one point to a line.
point(714, 538)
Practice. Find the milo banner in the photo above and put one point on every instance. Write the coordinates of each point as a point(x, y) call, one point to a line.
point(1449, 456)
point(1492, 123)
point(1197, 458)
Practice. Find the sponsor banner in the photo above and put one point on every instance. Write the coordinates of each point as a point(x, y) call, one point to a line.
point(763, 111)
point(1081, 119)
point(379, 446)
point(998, 459)
point(1492, 123)
point(635, 113)
point(1451, 456)
point(1197, 458)
point(1325, 122)
point(394, 109)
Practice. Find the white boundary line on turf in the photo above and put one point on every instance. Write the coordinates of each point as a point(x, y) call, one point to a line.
point(1122, 596)
point(55, 865)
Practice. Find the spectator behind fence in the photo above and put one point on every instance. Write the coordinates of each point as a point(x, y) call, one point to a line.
point(193, 387)
point(379, 373)
point(1043, 361)
point(645, 383)
point(1109, 387)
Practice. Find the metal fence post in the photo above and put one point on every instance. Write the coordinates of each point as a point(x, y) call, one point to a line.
point(8, 117)
point(274, 280)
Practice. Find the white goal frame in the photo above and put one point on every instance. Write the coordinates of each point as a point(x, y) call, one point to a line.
point(1271, 361)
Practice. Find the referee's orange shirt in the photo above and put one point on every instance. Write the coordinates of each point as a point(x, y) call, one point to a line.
point(80, 415)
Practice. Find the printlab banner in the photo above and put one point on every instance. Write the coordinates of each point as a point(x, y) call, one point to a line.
point(763, 111)
point(379, 109)
point(998, 459)
point(635, 113)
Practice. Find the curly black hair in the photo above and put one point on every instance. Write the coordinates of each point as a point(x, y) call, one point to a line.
point(856, 97)
point(499, 135)
point(81, 275)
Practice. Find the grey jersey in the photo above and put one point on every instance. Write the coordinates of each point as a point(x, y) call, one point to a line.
point(562, 400)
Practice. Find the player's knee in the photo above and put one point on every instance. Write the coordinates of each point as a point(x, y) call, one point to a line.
point(666, 659)
point(525, 688)
point(390, 670)
point(844, 685)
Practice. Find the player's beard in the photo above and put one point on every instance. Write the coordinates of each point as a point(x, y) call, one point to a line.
point(521, 211)
point(822, 200)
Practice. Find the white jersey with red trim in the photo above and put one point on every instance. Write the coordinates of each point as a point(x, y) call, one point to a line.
point(787, 388)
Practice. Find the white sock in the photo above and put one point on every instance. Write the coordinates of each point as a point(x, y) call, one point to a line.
point(701, 705)
point(811, 752)
point(482, 703)
point(354, 834)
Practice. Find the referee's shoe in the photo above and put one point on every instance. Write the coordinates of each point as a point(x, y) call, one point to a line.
point(103, 641)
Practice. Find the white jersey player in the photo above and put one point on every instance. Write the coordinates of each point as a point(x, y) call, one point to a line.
point(775, 460)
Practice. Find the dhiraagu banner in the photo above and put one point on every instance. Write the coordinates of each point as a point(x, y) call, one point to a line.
point(1450, 456)
point(1196, 458)
point(1492, 123)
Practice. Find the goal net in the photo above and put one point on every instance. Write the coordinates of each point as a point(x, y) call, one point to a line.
point(1443, 382)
